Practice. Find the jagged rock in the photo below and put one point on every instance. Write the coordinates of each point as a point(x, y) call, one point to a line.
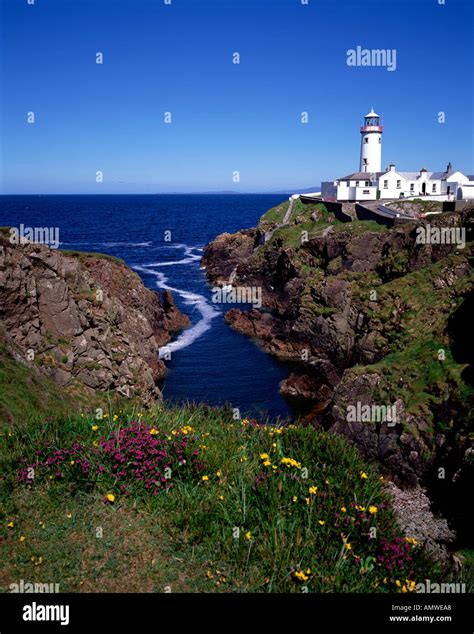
point(89, 320)
point(317, 310)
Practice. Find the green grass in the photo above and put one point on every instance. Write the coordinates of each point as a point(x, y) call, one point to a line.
point(275, 215)
point(410, 316)
point(224, 532)
point(422, 379)
point(82, 255)
point(25, 392)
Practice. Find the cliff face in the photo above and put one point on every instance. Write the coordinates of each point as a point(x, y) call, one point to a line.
point(85, 320)
point(364, 312)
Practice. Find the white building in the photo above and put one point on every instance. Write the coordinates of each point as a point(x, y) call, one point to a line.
point(370, 183)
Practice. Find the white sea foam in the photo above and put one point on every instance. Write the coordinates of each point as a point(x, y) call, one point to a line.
point(197, 301)
point(188, 259)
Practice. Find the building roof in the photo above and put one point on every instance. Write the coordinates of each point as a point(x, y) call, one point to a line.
point(372, 114)
point(359, 176)
point(409, 176)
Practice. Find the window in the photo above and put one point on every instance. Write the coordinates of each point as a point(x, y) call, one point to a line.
point(434, 187)
point(366, 191)
point(412, 187)
point(380, 139)
point(399, 184)
point(365, 161)
point(366, 183)
point(385, 184)
point(366, 139)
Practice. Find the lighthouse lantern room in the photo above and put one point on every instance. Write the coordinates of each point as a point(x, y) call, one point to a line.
point(371, 144)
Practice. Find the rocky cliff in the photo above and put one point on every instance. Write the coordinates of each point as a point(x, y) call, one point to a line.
point(85, 320)
point(367, 315)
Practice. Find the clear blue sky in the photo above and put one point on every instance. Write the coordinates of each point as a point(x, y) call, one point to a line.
point(226, 117)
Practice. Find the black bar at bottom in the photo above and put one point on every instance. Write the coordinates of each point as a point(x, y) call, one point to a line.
point(238, 613)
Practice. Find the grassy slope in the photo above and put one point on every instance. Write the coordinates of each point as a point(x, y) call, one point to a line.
point(186, 537)
point(24, 391)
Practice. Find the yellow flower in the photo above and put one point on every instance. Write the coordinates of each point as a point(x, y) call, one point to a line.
point(264, 456)
point(11, 524)
point(248, 536)
point(348, 545)
point(373, 509)
point(95, 443)
point(110, 497)
point(298, 574)
point(95, 427)
point(397, 583)
point(278, 431)
point(221, 497)
point(69, 515)
point(327, 482)
point(115, 417)
point(274, 467)
point(291, 462)
point(322, 522)
point(267, 463)
point(411, 540)
point(41, 524)
point(205, 478)
point(360, 508)
point(308, 571)
point(218, 473)
point(343, 509)
point(295, 499)
point(22, 539)
point(313, 490)
point(307, 500)
point(363, 475)
point(153, 431)
point(72, 462)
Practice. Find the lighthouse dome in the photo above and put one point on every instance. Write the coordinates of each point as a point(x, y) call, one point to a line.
point(371, 114)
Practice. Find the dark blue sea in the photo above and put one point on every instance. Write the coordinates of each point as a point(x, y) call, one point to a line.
point(209, 363)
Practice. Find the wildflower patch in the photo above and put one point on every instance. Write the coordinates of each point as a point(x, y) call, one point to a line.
point(134, 457)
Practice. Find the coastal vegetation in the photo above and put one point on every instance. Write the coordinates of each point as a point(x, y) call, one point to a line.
point(190, 499)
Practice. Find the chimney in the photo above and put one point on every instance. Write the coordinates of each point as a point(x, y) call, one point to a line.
point(449, 168)
point(392, 167)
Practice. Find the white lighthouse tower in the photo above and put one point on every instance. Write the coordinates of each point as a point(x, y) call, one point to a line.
point(371, 144)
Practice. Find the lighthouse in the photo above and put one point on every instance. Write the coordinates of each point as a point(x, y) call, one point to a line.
point(371, 144)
